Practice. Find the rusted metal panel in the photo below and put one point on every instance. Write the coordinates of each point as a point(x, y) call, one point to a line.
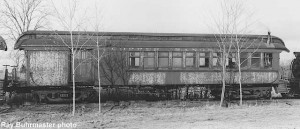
point(48, 68)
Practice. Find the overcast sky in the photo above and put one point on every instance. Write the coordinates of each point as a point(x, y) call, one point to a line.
point(281, 17)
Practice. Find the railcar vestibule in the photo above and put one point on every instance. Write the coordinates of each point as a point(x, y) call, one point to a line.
point(177, 60)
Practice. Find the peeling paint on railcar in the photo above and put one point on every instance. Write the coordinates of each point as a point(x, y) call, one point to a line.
point(200, 77)
point(215, 77)
point(160, 78)
point(259, 77)
point(149, 78)
point(48, 68)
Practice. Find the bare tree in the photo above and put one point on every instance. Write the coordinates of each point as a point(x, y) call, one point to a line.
point(67, 16)
point(227, 26)
point(101, 48)
point(232, 26)
point(72, 17)
point(114, 65)
point(18, 16)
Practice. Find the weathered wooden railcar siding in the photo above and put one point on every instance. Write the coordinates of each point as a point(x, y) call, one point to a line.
point(162, 78)
point(149, 78)
point(48, 68)
point(215, 77)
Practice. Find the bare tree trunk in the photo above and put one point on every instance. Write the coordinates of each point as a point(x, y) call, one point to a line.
point(73, 73)
point(223, 77)
point(240, 75)
point(99, 79)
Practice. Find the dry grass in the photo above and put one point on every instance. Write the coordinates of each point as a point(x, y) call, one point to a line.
point(255, 114)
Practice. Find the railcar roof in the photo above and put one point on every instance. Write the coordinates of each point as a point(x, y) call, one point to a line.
point(142, 40)
point(2, 44)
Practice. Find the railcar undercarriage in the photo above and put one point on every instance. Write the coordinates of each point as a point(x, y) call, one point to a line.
point(58, 94)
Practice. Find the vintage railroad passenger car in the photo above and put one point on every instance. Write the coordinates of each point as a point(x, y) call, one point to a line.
point(161, 64)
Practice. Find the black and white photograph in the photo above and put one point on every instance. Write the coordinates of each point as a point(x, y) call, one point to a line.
point(149, 64)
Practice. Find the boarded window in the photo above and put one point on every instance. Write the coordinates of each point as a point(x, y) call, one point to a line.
point(268, 60)
point(134, 59)
point(149, 59)
point(177, 59)
point(255, 60)
point(48, 68)
point(163, 59)
point(204, 59)
point(190, 59)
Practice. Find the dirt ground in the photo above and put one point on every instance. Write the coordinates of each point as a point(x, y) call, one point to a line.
point(254, 114)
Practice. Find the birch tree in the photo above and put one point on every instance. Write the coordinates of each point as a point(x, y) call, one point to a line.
point(101, 43)
point(69, 18)
point(232, 25)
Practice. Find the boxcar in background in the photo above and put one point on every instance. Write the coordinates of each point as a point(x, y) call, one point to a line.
point(149, 64)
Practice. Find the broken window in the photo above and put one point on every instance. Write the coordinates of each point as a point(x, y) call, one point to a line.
point(190, 59)
point(149, 59)
point(255, 60)
point(204, 59)
point(177, 59)
point(163, 59)
point(231, 60)
point(268, 60)
point(134, 59)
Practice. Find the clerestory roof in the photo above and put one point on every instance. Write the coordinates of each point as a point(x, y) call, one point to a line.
point(47, 39)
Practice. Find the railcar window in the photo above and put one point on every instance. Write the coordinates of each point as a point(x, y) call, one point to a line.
point(268, 60)
point(216, 59)
point(190, 59)
point(177, 59)
point(148, 59)
point(134, 59)
point(231, 60)
point(83, 65)
point(163, 59)
point(244, 59)
point(255, 60)
point(204, 59)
